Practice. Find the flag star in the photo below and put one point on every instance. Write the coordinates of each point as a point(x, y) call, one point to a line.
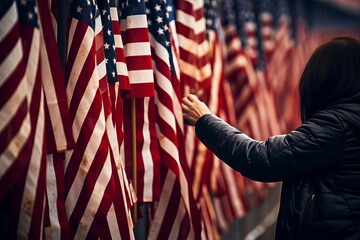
point(167, 15)
point(157, 7)
point(167, 43)
point(88, 2)
point(113, 74)
point(114, 60)
point(104, 12)
point(109, 17)
point(149, 22)
point(78, 9)
point(23, 2)
point(169, 8)
point(147, 11)
point(106, 60)
point(106, 45)
point(166, 28)
point(160, 31)
point(113, 46)
point(159, 19)
point(91, 15)
point(109, 32)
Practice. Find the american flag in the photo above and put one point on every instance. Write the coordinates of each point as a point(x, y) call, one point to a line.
point(194, 49)
point(134, 31)
point(91, 182)
point(176, 215)
point(58, 124)
point(135, 34)
point(284, 41)
point(22, 130)
point(108, 43)
point(299, 56)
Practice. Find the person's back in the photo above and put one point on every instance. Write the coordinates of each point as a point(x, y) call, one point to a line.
point(325, 204)
point(319, 162)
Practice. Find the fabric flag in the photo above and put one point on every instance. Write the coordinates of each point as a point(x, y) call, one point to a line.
point(91, 181)
point(134, 30)
point(106, 43)
point(277, 69)
point(274, 122)
point(58, 124)
point(250, 111)
point(59, 135)
point(299, 56)
point(176, 215)
point(194, 49)
point(22, 130)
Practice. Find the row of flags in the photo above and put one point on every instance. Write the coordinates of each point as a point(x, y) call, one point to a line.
point(86, 140)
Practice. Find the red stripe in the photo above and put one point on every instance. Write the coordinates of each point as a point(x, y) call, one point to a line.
point(135, 35)
point(139, 62)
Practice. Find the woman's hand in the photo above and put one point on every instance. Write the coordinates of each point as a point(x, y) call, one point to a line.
point(193, 109)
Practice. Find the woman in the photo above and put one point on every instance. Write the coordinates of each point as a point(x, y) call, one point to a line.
point(319, 162)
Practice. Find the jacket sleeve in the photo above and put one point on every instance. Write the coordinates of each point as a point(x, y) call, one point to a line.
point(312, 147)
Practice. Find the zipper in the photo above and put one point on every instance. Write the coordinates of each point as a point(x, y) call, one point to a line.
point(307, 220)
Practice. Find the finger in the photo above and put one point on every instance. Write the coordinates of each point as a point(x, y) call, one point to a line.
point(192, 97)
point(186, 102)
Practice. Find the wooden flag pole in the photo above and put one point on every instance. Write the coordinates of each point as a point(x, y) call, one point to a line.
point(133, 144)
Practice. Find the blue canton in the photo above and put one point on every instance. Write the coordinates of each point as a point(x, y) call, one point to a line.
point(28, 13)
point(109, 41)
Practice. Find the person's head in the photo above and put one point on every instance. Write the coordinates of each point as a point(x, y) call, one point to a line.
point(332, 73)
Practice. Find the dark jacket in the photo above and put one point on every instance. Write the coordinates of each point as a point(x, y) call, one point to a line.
point(318, 163)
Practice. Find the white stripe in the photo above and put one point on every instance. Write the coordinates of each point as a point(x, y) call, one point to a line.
point(222, 223)
point(80, 59)
point(196, 73)
point(53, 231)
point(98, 25)
point(118, 41)
point(216, 77)
point(146, 155)
point(134, 21)
point(8, 21)
point(137, 49)
point(101, 69)
point(121, 69)
point(11, 62)
point(175, 226)
point(31, 182)
point(141, 76)
point(113, 223)
point(198, 49)
point(189, 21)
point(114, 14)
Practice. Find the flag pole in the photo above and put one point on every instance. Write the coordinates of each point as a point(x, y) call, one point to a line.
point(133, 144)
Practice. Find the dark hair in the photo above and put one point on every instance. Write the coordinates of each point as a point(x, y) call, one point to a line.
point(332, 73)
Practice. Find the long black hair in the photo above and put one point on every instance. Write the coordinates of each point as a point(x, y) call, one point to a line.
point(332, 73)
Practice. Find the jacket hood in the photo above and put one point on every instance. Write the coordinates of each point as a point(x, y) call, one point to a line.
point(349, 110)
